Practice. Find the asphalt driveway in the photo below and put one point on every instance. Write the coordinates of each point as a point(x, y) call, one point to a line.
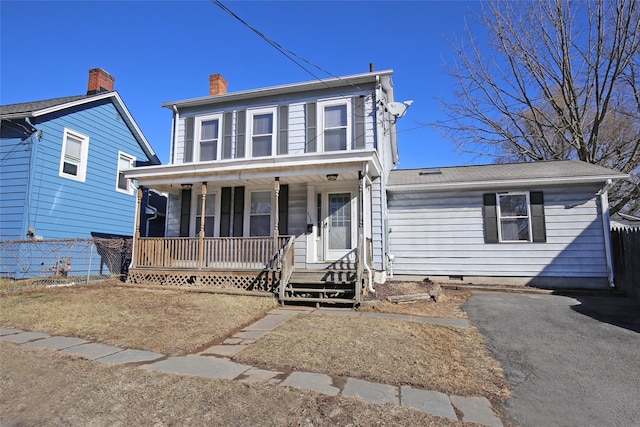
point(571, 361)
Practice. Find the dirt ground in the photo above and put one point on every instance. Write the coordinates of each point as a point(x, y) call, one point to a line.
point(40, 387)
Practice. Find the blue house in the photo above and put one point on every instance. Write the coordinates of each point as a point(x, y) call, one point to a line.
point(62, 161)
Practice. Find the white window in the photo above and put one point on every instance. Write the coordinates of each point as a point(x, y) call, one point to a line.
point(335, 124)
point(260, 213)
point(208, 144)
point(210, 208)
point(514, 223)
point(125, 161)
point(262, 138)
point(75, 150)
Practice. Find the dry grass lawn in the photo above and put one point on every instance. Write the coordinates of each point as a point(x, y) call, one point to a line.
point(172, 322)
point(166, 321)
point(446, 359)
point(45, 388)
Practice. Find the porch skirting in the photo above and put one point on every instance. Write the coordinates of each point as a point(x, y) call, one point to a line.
point(248, 280)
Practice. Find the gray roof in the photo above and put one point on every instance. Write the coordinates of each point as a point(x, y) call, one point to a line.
point(550, 172)
point(28, 107)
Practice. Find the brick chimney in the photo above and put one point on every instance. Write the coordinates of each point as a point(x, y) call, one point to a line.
point(217, 84)
point(99, 81)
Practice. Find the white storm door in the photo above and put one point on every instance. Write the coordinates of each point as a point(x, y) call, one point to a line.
point(340, 226)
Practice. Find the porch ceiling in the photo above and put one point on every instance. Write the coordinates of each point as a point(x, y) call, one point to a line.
point(290, 169)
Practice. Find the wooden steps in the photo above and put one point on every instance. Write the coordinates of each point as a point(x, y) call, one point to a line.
point(322, 287)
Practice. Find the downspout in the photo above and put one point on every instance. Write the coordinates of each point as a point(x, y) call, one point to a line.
point(174, 131)
point(31, 176)
point(606, 228)
point(364, 243)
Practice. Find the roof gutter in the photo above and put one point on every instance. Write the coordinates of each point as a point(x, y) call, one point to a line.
point(502, 183)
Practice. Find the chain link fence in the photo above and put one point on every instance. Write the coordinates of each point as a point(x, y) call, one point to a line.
point(63, 262)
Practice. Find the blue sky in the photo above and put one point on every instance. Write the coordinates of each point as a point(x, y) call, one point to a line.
point(161, 51)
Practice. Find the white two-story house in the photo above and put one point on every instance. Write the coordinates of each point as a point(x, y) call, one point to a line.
point(279, 188)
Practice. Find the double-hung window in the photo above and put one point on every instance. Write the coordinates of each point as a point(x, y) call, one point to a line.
point(260, 213)
point(209, 134)
point(125, 161)
point(75, 151)
point(261, 131)
point(335, 124)
point(513, 217)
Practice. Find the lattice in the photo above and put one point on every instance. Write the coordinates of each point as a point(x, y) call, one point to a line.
point(265, 281)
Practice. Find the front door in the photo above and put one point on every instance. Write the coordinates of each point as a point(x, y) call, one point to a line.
point(339, 226)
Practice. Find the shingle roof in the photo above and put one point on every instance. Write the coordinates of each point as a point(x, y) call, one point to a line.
point(28, 107)
point(560, 170)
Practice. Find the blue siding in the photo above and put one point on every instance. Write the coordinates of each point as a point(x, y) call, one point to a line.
point(64, 208)
point(15, 155)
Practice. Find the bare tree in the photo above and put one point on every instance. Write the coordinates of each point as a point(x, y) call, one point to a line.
point(557, 79)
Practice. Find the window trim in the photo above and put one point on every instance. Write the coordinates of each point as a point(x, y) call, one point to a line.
point(198, 136)
point(84, 155)
point(500, 217)
point(132, 163)
point(274, 129)
point(320, 111)
point(247, 210)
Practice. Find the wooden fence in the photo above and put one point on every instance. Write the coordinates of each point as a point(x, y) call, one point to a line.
point(626, 260)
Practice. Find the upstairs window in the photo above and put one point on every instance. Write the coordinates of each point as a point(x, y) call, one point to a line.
point(75, 150)
point(262, 138)
point(335, 120)
point(208, 138)
point(125, 161)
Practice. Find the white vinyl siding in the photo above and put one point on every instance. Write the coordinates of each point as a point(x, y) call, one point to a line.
point(442, 234)
point(75, 151)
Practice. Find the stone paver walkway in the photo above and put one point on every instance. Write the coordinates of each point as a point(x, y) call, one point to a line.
point(214, 362)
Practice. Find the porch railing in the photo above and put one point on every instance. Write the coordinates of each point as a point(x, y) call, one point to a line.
point(255, 253)
point(286, 264)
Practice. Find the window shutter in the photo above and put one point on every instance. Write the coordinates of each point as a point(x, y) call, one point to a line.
point(358, 122)
point(490, 214)
point(185, 212)
point(311, 146)
point(240, 134)
point(189, 123)
point(227, 135)
point(283, 137)
point(536, 199)
point(283, 209)
point(225, 212)
point(238, 211)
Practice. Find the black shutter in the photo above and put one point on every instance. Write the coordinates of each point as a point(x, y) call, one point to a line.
point(185, 212)
point(283, 137)
point(490, 214)
point(227, 135)
point(283, 209)
point(537, 216)
point(189, 123)
point(225, 212)
point(238, 211)
point(311, 145)
point(358, 122)
point(240, 134)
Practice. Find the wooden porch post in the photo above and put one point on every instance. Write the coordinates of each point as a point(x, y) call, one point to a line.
point(136, 235)
point(276, 226)
point(202, 221)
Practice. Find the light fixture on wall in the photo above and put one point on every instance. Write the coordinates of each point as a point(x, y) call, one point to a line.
point(186, 186)
point(332, 176)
